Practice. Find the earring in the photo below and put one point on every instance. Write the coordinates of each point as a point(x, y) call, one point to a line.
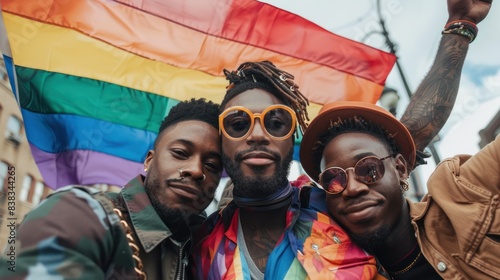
point(405, 185)
point(145, 169)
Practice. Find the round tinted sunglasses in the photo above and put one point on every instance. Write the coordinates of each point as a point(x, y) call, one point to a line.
point(368, 170)
point(237, 122)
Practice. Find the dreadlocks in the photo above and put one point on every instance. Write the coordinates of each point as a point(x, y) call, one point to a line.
point(266, 76)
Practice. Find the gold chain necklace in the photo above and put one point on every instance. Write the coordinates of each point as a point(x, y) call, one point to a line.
point(131, 242)
point(408, 267)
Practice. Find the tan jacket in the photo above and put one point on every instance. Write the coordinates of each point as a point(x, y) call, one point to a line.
point(458, 222)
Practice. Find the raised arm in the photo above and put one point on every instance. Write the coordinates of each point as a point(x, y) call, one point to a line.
point(431, 104)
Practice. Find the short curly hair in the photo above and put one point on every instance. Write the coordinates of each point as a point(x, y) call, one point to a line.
point(354, 124)
point(193, 109)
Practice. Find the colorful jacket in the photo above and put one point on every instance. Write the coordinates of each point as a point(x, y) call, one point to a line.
point(458, 222)
point(71, 235)
point(312, 247)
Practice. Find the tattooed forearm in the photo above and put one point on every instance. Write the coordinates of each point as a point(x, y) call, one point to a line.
point(433, 101)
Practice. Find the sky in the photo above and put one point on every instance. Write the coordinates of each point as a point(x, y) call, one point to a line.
point(415, 27)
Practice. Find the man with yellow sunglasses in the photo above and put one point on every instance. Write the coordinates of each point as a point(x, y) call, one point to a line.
point(272, 230)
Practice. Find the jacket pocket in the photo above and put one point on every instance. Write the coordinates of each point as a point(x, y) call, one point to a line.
point(486, 257)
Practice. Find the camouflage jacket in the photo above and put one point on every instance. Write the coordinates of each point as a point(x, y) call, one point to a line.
point(71, 235)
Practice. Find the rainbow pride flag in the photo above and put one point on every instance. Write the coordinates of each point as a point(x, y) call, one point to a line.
point(94, 78)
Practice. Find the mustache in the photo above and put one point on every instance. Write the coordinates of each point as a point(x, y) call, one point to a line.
point(238, 157)
point(181, 179)
point(205, 196)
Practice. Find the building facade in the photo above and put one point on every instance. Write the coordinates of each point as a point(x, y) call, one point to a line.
point(21, 185)
point(491, 131)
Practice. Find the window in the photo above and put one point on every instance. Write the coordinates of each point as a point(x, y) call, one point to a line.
point(13, 131)
point(3, 175)
point(4, 77)
point(14, 125)
point(39, 186)
point(3, 73)
point(25, 189)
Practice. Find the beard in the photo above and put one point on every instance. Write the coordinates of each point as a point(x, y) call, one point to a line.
point(177, 220)
point(373, 240)
point(257, 186)
point(376, 239)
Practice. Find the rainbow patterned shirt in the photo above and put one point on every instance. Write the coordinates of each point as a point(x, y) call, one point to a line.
point(313, 246)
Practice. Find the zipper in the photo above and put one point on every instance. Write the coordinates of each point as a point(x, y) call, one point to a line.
point(181, 261)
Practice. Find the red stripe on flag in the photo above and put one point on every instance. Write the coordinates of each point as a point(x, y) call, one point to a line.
point(261, 25)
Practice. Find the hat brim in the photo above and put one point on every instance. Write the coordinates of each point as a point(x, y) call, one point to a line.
point(348, 109)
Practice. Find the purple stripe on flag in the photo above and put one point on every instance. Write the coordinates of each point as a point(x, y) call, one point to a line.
point(84, 166)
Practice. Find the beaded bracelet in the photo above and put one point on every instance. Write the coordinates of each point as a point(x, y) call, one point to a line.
point(461, 27)
point(469, 24)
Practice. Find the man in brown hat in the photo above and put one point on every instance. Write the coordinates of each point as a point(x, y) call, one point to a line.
point(361, 156)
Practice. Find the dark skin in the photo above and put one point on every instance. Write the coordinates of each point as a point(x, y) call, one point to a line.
point(364, 209)
point(261, 235)
point(440, 86)
point(426, 114)
point(433, 101)
point(197, 152)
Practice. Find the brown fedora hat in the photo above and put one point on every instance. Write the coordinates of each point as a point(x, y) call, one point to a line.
point(348, 109)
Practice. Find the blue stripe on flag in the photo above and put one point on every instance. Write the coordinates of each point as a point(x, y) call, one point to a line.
point(54, 133)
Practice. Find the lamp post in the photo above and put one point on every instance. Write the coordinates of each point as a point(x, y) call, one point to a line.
point(392, 49)
point(389, 99)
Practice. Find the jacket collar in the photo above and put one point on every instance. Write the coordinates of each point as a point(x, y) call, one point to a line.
point(147, 224)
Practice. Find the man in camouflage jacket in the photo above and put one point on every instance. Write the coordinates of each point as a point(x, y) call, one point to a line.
point(143, 231)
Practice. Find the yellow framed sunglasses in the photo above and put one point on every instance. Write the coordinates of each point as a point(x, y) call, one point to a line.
point(278, 121)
